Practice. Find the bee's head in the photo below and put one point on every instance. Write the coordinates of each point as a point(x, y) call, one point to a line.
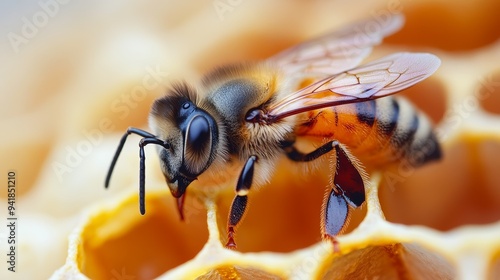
point(191, 136)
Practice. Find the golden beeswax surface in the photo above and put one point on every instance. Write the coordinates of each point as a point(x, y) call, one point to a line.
point(76, 74)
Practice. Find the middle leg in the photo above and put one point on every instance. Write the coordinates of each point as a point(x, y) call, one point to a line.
point(240, 201)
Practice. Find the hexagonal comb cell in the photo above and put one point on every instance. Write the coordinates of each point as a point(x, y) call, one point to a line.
point(120, 238)
point(235, 272)
point(393, 261)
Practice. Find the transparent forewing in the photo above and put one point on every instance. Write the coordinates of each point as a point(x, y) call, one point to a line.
point(379, 78)
point(338, 51)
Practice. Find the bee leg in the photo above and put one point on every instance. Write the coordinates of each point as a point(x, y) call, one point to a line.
point(142, 170)
point(297, 155)
point(348, 187)
point(336, 216)
point(240, 201)
point(130, 130)
point(348, 190)
point(348, 179)
point(148, 139)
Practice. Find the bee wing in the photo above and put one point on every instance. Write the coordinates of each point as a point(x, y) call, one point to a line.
point(379, 78)
point(338, 51)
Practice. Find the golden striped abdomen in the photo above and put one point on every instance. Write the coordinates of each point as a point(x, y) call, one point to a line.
point(378, 132)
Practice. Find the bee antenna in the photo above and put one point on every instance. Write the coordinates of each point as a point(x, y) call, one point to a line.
point(148, 139)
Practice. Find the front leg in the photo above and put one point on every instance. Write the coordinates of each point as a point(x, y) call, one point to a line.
point(240, 201)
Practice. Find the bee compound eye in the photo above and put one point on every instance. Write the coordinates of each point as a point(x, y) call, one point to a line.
point(197, 149)
point(198, 133)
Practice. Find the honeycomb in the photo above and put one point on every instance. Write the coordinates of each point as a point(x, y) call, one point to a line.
point(88, 70)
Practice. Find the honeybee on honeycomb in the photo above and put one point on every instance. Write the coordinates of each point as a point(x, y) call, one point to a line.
point(232, 129)
point(437, 221)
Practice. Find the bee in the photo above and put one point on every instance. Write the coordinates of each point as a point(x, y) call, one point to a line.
point(232, 129)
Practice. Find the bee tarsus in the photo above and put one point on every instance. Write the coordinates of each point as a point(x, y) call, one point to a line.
point(336, 213)
point(230, 239)
point(240, 201)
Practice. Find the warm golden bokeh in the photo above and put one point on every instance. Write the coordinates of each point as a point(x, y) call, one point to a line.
point(449, 26)
point(440, 195)
point(85, 71)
